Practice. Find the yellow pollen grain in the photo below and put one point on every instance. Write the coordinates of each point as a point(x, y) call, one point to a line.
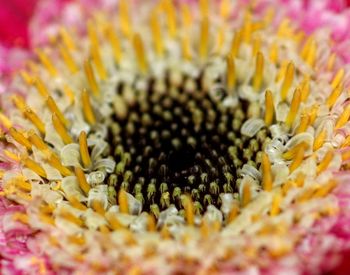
point(170, 11)
point(54, 161)
point(55, 110)
point(87, 108)
point(21, 217)
point(76, 203)
point(343, 118)
point(34, 166)
point(90, 76)
point(140, 52)
point(45, 60)
point(98, 207)
point(246, 195)
point(67, 39)
point(267, 180)
point(225, 9)
point(83, 184)
point(331, 61)
point(33, 117)
point(303, 123)
point(114, 42)
point(338, 78)
point(12, 155)
point(158, 42)
point(84, 151)
point(230, 72)
point(20, 138)
point(297, 160)
point(5, 121)
point(204, 38)
point(319, 140)
point(273, 53)
point(288, 80)
point(71, 218)
point(305, 88)
point(325, 162)
point(68, 59)
point(186, 46)
point(236, 43)
point(259, 71)
point(275, 205)
point(189, 210)
point(294, 107)
point(331, 100)
point(61, 130)
point(123, 202)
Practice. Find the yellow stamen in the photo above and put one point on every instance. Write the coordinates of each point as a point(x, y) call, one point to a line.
point(32, 116)
point(19, 103)
point(96, 58)
point(294, 107)
point(343, 118)
point(21, 139)
point(68, 59)
point(90, 76)
point(22, 184)
point(345, 155)
point(165, 233)
point(313, 114)
point(72, 218)
point(230, 72)
point(220, 40)
point(45, 60)
point(346, 142)
point(204, 8)
point(247, 28)
point(37, 141)
point(32, 165)
point(55, 110)
point(259, 71)
point(204, 38)
point(267, 180)
point(325, 162)
point(21, 217)
point(76, 203)
point(12, 155)
point(104, 229)
point(56, 163)
point(298, 159)
point(151, 223)
point(125, 20)
point(325, 189)
point(69, 93)
point(236, 42)
point(61, 130)
point(305, 195)
point(274, 53)
point(305, 88)
point(83, 184)
point(113, 221)
point(311, 56)
point(269, 108)
point(287, 186)
point(306, 48)
point(233, 213)
point(338, 78)
point(186, 16)
point(293, 151)
point(41, 87)
point(225, 8)
point(288, 80)
point(275, 205)
point(123, 202)
point(170, 17)
point(98, 207)
point(26, 77)
point(5, 121)
point(87, 108)
point(114, 41)
point(140, 52)
point(303, 124)
point(47, 219)
point(157, 34)
point(84, 151)
point(246, 195)
point(300, 180)
point(78, 240)
point(189, 210)
point(331, 62)
point(331, 100)
point(186, 46)
point(319, 140)
point(67, 39)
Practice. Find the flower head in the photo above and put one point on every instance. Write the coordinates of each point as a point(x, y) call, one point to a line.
point(179, 137)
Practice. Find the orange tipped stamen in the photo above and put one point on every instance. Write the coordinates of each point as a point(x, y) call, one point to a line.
point(313, 114)
point(55, 110)
point(41, 87)
point(269, 108)
point(69, 93)
point(21, 217)
point(151, 223)
point(37, 141)
point(267, 180)
point(325, 162)
point(26, 77)
point(319, 140)
point(35, 167)
point(91, 78)
point(290, 154)
point(343, 118)
point(186, 16)
point(84, 151)
point(311, 55)
point(274, 53)
point(98, 62)
point(186, 47)
point(293, 108)
point(83, 184)
point(259, 71)
point(123, 202)
point(19, 103)
point(233, 213)
point(305, 89)
point(140, 52)
point(325, 189)
point(87, 108)
point(230, 72)
point(21, 139)
point(61, 130)
point(331, 62)
point(12, 155)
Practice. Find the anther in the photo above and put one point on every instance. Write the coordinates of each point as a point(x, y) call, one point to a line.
point(90, 76)
point(84, 151)
point(269, 108)
point(267, 180)
point(87, 108)
point(140, 52)
point(293, 108)
point(288, 80)
point(259, 71)
point(61, 130)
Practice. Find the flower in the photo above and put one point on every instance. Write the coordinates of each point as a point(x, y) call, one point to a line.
point(178, 137)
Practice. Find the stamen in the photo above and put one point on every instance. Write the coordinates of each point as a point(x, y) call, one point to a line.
point(305, 88)
point(275, 205)
point(45, 60)
point(313, 114)
point(300, 180)
point(157, 34)
point(113, 221)
point(288, 80)
point(5, 121)
point(68, 59)
point(306, 48)
point(170, 17)
point(21, 217)
point(230, 73)
point(34, 166)
point(83, 184)
point(220, 40)
point(319, 139)
point(98, 207)
point(91, 78)
point(325, 189)
point(55, 110)
point(338, 78)
point(325, 162)
point(331, 100)
point(22, 184)
point(123, 202)
point(47, 219)
point(69, 93)
point(236, 42)
point(21, 139)
point(204, 38)
point(189, 210)
point(32, 116)
point(41, 87)
point(294, 107)
point(246, 195)
point(87, 108)
point(186, 16)
point(345, 155)
point(61, 130)
point(76, 203)
point(259, 71)
point(114, 41)
point(151, 223)
point(84, 151)
point(233, 213)
point(287, 186)
point(331, 62)
point(293, 151)
point(303, 124)
point(19, 103)
point(247, 27)
point(298, 159)
point(37, 141)
point(67, 39)
point(274, 53)
point(12, 155)
point(306, 195)
point(71, 217)
point(346, 142)
point(186, 47)
point(125, 20)
point(78, 240)
point(95, 52)
point(257, 45)
point(311, 55)
point(204, 8)
point(343, 118)
point(140, 52)
point(225, 9)
point(267, 180)
point(56, 163)
point(26, 77)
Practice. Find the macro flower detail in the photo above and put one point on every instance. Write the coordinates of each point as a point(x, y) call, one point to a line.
point(178, 137)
